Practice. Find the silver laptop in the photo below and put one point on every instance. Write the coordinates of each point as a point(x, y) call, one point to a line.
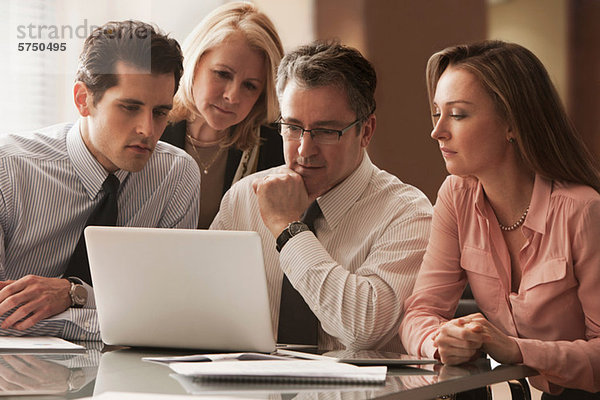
point(180, 288)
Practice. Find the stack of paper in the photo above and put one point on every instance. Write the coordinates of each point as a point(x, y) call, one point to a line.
point(282, 371)
point(241, 367)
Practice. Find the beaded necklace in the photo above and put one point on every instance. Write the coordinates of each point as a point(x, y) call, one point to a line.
point(516, 224)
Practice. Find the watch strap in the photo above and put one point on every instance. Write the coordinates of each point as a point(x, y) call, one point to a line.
point(290, 231)
point(74, 279)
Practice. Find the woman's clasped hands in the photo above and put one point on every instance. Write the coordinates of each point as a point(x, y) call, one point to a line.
point(463, 339)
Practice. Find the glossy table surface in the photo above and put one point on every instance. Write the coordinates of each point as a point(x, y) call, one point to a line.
point(123, 370)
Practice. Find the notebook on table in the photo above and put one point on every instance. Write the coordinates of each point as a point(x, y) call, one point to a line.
point(180, 288)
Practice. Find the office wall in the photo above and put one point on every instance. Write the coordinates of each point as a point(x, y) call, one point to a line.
point(564, 35)
point(398, 37)
point(539, 25)
point(293, 20)
point(584, 70)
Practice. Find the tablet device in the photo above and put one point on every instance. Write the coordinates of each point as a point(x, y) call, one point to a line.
point(359, 357)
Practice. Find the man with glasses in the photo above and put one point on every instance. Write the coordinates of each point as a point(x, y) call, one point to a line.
point(342, 239)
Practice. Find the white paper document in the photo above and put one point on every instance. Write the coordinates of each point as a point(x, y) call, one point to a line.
point(281, 371)
point(45, 344)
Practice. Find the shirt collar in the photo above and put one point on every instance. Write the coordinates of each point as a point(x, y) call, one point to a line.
point(335, 203)
point(538, 207)
point(540, 202)
point(480, 202)
point(90, 172)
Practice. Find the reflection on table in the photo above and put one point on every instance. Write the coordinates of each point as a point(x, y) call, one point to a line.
point(48, 373)
point(124, 371)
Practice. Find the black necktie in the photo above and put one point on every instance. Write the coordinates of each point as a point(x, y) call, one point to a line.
point(297, 323)
point(105, 213)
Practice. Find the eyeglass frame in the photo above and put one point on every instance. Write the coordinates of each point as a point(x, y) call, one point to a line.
point(339, 132)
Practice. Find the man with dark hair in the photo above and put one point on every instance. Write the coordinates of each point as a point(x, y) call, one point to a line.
point(132, 42)
point(105, 169)
point(342, 239)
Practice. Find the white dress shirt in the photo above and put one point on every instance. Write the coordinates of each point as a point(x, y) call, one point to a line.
point(356, 275)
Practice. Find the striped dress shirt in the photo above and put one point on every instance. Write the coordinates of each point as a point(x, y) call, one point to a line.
point(356, 275)
point(49, 185)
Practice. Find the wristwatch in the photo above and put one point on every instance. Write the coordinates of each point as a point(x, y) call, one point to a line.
point(292, 230)
point(78, 293)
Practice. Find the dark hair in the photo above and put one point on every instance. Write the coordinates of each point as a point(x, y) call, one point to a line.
point(331, 63)
point(526, 98)
point(131, 42)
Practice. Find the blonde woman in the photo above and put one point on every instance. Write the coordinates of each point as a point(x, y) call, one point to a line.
point(226, 96)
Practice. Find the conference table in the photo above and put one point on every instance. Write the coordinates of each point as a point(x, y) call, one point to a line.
point(100, 370)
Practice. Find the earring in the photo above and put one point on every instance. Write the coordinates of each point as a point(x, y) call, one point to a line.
point(511, 140)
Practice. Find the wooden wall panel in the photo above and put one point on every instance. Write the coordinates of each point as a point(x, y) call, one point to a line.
point(398, 36)
point(584, 70)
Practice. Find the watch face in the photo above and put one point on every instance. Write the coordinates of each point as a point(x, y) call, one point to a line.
point(80, 295)
point(297, 227)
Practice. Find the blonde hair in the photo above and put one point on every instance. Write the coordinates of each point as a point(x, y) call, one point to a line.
point(526, 98)
point(214, 29)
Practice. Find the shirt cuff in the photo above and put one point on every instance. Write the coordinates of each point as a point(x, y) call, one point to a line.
point(300, 253)
point(427, 349)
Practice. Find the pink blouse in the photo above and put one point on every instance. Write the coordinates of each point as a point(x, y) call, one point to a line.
point(555, 315)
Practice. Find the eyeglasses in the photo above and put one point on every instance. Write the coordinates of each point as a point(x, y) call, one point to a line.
point(318, 135)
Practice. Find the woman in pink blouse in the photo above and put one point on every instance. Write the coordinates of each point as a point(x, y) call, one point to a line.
point(518, 219)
